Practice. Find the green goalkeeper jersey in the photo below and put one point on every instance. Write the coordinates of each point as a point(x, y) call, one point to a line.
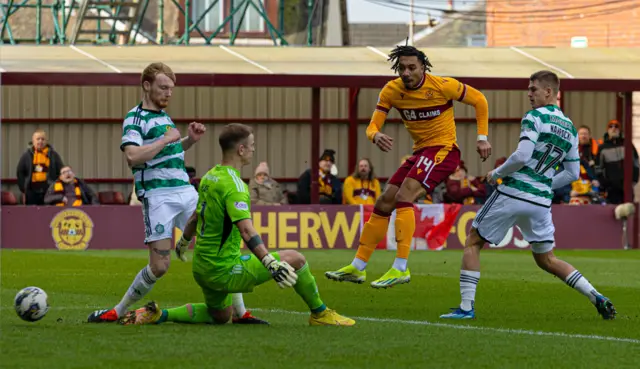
point(223, 201)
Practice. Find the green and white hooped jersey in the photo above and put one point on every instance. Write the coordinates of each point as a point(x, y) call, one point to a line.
point(556, 141)
point(166, 171)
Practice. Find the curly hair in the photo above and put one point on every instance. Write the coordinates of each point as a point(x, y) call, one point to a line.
point(407, 50)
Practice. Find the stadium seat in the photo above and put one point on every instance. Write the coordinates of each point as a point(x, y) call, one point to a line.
point(8, 198)
point(111, 198)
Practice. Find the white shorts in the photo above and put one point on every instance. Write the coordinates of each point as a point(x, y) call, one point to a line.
point(501, 212)
point(164, 212)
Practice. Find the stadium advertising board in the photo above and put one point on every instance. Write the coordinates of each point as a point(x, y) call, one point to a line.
point(295, 227)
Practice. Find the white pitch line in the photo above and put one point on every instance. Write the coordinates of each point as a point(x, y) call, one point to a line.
point(420, 322)
point(472, 328)
point(94, 58)
point(373, 49)
point(238, 55)
point(551, 66)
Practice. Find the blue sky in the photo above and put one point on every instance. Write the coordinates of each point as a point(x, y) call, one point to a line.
point(363, 11)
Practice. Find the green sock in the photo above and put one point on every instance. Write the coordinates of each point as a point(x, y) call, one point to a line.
point(189, 313)
point(307, 289)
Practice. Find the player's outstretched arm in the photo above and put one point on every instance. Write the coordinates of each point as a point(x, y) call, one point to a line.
point(384, 142)
point(281, 271)
point(456, 90)
point(516, 161)
point(138, 155)
point(195, 132)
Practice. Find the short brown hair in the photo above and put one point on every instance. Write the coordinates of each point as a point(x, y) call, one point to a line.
point(548, 77)
point(152, 70)
point(232, 134)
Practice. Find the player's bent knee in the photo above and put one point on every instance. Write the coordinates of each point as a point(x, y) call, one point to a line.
point(543, 255)
point(387, 201)
point(220, 316)
point(474, 240)
point(293, 258)
point(409, 191)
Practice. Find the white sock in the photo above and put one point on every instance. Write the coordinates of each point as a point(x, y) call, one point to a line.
point(468, 283)
point(238, 305)
point(580, 283)
point(400, 264)
point(359, 264)
point(142, 284)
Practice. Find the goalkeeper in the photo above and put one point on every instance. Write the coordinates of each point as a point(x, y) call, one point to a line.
point(223, 222)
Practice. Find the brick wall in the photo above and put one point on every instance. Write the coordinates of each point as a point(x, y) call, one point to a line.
point(620, 29)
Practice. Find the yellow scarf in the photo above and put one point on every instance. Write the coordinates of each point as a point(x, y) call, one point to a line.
point(41, 164)
point(58, 188)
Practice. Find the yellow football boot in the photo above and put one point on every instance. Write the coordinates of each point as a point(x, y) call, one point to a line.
point(330, 317)
point(391, 278)
point(347, 274)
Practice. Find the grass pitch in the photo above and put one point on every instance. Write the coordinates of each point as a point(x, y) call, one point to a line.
point(525, 317)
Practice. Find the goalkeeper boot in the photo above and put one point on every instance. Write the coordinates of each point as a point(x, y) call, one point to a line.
point(391, 278)
point(458, 313)
point(330, 317)
point(605, 307)
point(103, 316)
point(148, 314)
point(247, 318)
point(348, 274)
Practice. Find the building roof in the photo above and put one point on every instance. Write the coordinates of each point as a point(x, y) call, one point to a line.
point(456, 62)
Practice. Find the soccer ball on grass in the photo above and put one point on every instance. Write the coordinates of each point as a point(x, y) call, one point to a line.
point(31, 304)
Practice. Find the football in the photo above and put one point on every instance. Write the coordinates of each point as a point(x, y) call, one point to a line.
point(31, 304)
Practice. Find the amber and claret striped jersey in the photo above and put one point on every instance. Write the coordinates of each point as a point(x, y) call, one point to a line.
point(427, 110)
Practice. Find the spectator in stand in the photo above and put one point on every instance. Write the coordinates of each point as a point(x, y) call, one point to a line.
point(68, 190)
point(191, 172)
point(582, 189)
point(361, 187)
point(37, 169)
point(588, 147)
point(330, 187)
point(609, 164)
point(462, 188)
point(264, 189)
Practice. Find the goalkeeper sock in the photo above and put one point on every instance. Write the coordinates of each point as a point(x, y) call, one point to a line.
point(142, 284)
point(189, 313)
point(468, 283)
point(373, 232)
point(580, 283)
point(405, 228)
point(307, 288)
point(238, 305)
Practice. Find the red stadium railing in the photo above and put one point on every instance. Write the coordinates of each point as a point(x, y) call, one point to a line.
point(623, 87)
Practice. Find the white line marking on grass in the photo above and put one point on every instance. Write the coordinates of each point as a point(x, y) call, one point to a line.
point(522, 52)
point(471, 327)
point(95, 58)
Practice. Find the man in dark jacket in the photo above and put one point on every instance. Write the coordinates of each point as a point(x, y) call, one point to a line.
point(37, 169)
point(610, 167)
point(330, 186)
point(70, 191)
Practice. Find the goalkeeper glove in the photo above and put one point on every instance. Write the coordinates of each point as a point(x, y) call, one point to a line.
point(281, 271)
point(182, 246)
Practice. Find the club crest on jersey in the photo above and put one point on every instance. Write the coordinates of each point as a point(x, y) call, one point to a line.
point(428, 94)
point(241, 205)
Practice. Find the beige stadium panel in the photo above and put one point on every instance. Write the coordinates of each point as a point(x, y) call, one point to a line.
point(593, 109)
point(477, 62)
point(182, 59)
point(305, 60)
point(24, 58)
point(614, 63)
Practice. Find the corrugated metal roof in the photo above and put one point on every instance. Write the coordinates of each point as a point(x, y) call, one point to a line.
point(457, 62)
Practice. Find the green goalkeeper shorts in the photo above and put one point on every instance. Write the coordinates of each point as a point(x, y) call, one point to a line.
point(241, 275)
